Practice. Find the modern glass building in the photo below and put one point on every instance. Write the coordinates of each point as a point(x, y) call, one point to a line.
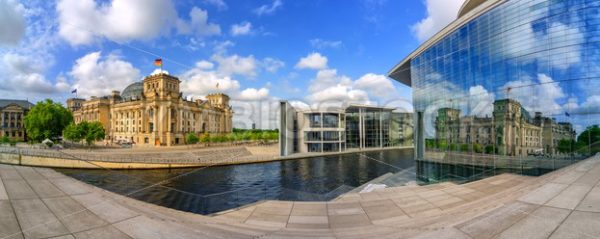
point(354, 127)
point(509, 79)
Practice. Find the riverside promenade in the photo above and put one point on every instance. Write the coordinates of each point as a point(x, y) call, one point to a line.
point(41, 203)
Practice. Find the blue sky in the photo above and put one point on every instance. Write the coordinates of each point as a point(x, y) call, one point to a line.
point(258, 51)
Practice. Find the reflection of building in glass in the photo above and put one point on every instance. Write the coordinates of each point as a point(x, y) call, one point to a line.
point(154, 112)
point(401, 129)
point(335, 130)
point(553, 132)
point(12, 114)
point(542, 55)
point(511, 131)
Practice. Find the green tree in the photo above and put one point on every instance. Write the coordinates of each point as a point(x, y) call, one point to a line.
point(73, 133)
point(566, 146)
point(589, 140)
point(92, 131)
point(47, 119)
point(191, 138)
point(464, 148)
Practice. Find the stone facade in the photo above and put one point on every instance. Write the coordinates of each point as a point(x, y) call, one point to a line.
point(12, 114)
point(154, 112)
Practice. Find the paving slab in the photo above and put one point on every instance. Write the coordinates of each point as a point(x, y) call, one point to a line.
point(353, 220)
point(539, 224)
point(44, 188)
point(36, 220)
point(579, 225)
point(570, 197)
point(18, 189)
point(63, 237)
point(3, 194)
point(73, 215)
point(496, 221)
point(591, 202)
point(568, 177)
point(544, 193)
point(70, 186)
point(9, 173)
point(106, 232)
point(144, 227)
point(309, 209)
point(105, 208)
point(9, 227)
point(49, 173)
point(591, 177)
point(29, 173)
point(444, 233)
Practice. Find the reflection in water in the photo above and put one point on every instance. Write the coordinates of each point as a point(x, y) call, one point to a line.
point(220, 188)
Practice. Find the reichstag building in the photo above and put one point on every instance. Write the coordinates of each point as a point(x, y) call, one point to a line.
point(154, 113)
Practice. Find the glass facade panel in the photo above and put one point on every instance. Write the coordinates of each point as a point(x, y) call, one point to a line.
point(518, 82)
point(330, 120)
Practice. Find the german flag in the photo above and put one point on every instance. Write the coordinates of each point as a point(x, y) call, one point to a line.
point(158, 62)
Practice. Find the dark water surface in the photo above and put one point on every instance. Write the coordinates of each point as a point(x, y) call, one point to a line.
point(213, 189)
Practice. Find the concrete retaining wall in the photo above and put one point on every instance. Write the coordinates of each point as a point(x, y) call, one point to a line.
point(37, 161)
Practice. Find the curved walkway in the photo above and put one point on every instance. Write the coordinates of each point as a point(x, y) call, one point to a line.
point(41, 203)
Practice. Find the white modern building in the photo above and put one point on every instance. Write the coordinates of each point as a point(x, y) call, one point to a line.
point(339, 129)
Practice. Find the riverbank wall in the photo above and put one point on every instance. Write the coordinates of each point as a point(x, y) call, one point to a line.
point(156, 160)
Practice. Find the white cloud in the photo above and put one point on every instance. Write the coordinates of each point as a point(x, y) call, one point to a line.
point(220, 4)
point(328, 78)
point(377, 85)
point(244, 28)
point(329, 89)
point(83, 22)
point(272, 65)
point(235, 64)
point(221, 47)
point(536, 96)
point(322, 44)
point(563, 40)
point(26, 77)
point(481, 102)
point(198, 82)
point(94, 75)
point(339, 94)
point(439, 14)
point(312, 61)
point(12, 28)
point(205, 65)
point(250, 105)
point(199, 24)
point(252, 94)
point(268, 8)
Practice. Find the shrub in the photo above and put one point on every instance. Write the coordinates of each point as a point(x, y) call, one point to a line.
point(191, 138)
point(464, 148)
point(4, 140)
point(477, 148)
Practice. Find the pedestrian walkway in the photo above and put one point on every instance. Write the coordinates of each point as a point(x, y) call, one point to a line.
point(41, 203)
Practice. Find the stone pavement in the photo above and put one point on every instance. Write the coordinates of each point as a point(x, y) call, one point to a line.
point(41, 203)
